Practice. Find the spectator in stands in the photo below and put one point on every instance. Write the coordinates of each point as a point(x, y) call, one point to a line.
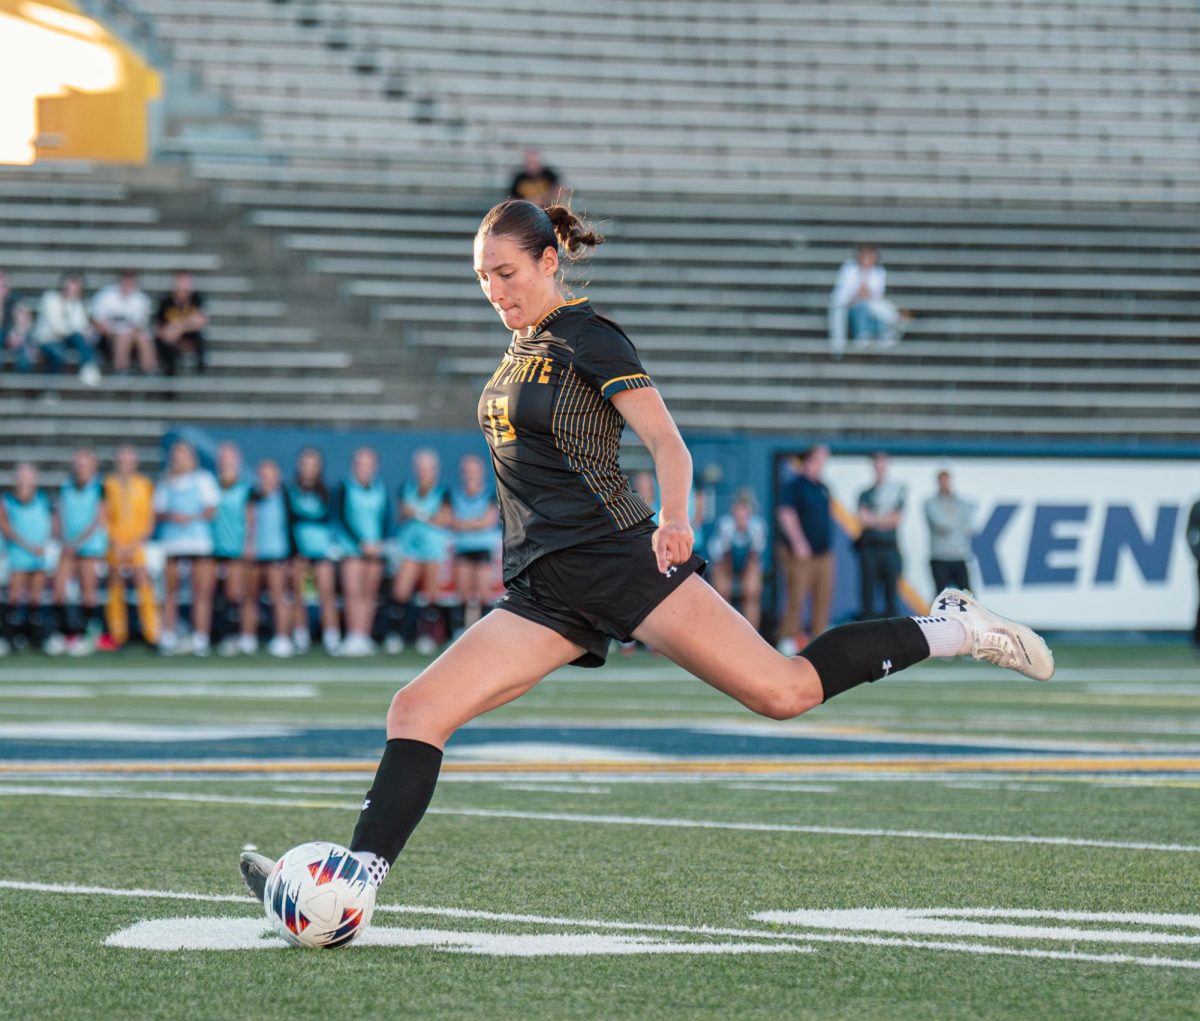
point(736, 552)
point(81, 527)
point(179, 323)
point(185, 503)
point(63, 329)
point(19, 346)
point(950, 518)
point(129, 507)
point(310, 514)
point(9, 299)
point(536, 182)
point(231, 555)
point(880, 511)
point(362, 512)
point(423, 543)
point(805, 553)
point(271, 548)
point(476, 525)
point(1193, 538)
point(857, 305)
point(121, 314)
point(26, 524)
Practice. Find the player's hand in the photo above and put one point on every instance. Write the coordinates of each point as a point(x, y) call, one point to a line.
point(672, 544)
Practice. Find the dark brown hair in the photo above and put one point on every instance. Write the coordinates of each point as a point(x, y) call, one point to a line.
point(535, 229)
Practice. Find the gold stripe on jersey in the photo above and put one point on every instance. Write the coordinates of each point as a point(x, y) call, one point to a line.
point(618, 383)
point(587, 430)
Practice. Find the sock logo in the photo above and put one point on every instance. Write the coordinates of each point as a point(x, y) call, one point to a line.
point(887, 666)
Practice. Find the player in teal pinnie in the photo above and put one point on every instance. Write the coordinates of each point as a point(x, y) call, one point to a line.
point(584, 563)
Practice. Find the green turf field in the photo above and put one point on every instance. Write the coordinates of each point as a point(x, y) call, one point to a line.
point(624, 843)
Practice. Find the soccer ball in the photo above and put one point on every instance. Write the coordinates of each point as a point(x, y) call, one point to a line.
point(318, 895)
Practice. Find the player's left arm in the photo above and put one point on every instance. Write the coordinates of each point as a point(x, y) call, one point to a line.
point(647, 415)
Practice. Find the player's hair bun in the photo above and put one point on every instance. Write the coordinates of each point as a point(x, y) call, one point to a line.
point(575, 237)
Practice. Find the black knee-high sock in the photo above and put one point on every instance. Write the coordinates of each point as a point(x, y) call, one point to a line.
point(398, 797)
point(856, 653)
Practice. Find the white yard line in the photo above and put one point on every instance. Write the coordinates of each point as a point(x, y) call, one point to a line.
point(17, 790)
point(777, 937)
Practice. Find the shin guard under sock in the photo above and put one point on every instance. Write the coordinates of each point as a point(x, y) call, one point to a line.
point(854, 654)
point(399, 795)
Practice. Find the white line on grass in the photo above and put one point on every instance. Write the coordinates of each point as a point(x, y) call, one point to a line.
point(790, 938)
point(608, 820)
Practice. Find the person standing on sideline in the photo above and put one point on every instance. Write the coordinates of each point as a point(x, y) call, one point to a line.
point(129, 502)
point(269, 544)
point(880, 511)
point(476, 526)
point(80, 523)
point(363, 514)
point(805, 551)
point(185, 502)
point(950, 519)
point(1193, 538)
point(26, 524)
point(423, 542)
point(736, 550)
point(310, 517)
point(230, 553)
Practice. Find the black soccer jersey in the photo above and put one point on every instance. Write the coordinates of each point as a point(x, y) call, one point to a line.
point(554, 435)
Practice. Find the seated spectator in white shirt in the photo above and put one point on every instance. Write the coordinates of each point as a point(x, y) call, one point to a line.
point(121, 312)
point(857, 305)
point(63, 327)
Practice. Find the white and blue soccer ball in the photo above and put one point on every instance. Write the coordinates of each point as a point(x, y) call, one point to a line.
point(319, 895)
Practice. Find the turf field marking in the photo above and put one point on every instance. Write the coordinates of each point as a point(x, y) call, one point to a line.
point(556, 788)
point(218, 691)
point(604, 820)
point(255, 934)
point(959, 922)
point(708, 931)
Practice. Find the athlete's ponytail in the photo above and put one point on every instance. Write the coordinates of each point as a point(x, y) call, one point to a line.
point(535, 229)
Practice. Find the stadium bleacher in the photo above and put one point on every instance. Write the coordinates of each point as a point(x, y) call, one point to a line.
point(1031, 171)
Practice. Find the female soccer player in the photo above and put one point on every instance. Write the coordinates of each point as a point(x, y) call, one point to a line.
point(582, 562)
point(26, 524)
point(476, 525)
point(364, 519)
point(422, 540)
point(230, 553)
point(82, 527)
point(185, 502)
point(310, 517)
point(270, 545)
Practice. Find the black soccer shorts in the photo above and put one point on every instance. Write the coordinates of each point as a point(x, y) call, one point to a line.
point(596, 591)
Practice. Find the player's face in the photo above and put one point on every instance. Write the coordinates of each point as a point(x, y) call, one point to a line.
point(268, 476)
point(741, 514)
point(25, 479)
point(183, 459)
point(229, 462)
point(364, 467)
point(471, 471)
point(309, 467)
point(425, 468)
point(521, 289)
point(127, 461)
point(83, 464)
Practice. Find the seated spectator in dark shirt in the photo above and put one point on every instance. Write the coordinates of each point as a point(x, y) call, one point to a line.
point(8, 302)
point(179, 323)
point(536, 182)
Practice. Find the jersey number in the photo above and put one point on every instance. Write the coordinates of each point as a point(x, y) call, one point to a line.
point(502, 428)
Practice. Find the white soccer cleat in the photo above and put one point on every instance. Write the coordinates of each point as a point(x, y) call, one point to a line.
point(996, 639)
point(280, 647)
